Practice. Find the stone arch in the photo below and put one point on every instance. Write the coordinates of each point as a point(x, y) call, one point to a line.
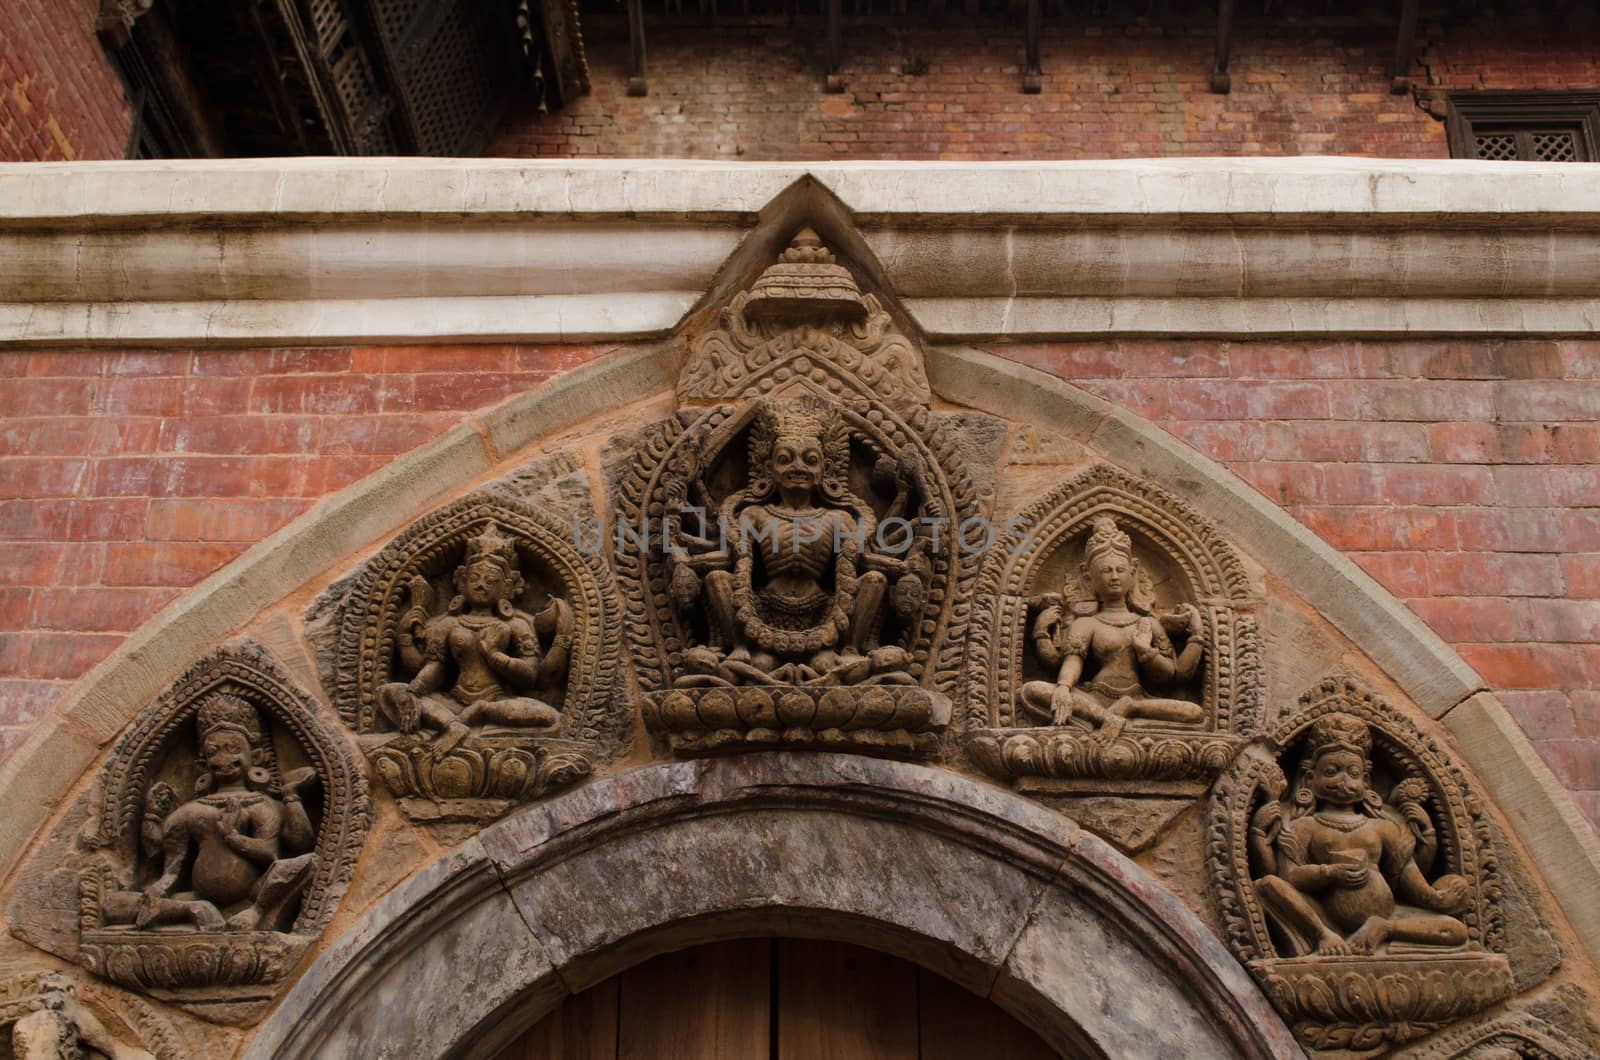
point(1016, 903)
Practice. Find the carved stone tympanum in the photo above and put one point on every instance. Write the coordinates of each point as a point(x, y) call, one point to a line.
point(1356, 875)
point(230, 823)
point(477, 659)
point(1114, 665)
point(794, 545)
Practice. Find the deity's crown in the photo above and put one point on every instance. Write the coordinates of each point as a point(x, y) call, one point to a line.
point(1338, 732)
point(1106, 537)
point(491, 545)
point(229, 712)
point(792, 419)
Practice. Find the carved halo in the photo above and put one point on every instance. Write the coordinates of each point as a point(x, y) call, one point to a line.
point(370, 614)
point(223, 976)
point(1039, 552)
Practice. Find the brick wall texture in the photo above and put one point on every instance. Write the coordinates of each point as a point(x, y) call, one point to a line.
point(1113, 88)
point(1461, 475)
point(60, 98)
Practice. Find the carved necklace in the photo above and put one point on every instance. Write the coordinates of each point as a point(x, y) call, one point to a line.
point(1340, 823)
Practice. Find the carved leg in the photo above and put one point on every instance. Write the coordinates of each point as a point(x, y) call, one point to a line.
point(870, 590)
point(1299, 917)
point(93, 1033)
point(409, 712)
point(1374, 933)
point(720, 613)
point(1036, 699)
point(1428, 930)
point(523, 713)
point(1178, 710)
point(42, 1035)
point(280, 885)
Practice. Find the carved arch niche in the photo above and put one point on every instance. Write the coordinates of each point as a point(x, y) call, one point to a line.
point(1440, 957)
point(169, 903)
point(1125, 777)
point(851, 640)
point(541, 657)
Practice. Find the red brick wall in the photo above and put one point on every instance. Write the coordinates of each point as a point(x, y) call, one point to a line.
point(1460, 474)
point(1114, 88)
point(60, 98)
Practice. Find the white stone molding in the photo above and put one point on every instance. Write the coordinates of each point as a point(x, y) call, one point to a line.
point(278, 251)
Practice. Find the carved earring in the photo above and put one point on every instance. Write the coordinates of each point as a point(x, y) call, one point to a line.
point(259, 777)
point(504, 608)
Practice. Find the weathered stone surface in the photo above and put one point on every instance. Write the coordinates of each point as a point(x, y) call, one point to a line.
point(923, 863)
point(398, 987)
point(980, 438)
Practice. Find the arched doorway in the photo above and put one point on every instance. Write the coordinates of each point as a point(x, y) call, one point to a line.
point(777, 999)
point(1015, 903)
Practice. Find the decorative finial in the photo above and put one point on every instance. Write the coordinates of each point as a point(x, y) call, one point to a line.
point(806, 284)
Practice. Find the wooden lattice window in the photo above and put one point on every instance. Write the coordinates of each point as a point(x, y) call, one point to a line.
point(1525, 126)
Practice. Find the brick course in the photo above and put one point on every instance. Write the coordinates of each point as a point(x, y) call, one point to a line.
point(1113, 88)
point(1424, 461)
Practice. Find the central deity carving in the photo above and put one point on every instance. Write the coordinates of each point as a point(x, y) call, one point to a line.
point(806, 584)
point(798, 595)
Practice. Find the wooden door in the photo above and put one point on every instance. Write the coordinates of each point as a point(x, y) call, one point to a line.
point(777, 999)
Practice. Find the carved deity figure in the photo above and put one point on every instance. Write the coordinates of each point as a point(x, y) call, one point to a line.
point(241, 843)
point(1109, 647)
point(1337, 858)
point(805, 598)
point(484, 661)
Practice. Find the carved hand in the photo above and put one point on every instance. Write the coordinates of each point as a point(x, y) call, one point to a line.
point(1143, 639)
point(1453, 893)
point(1347, 873)
point(496, 637)
point(1190, 614)
point(228, 823)
point(1061, 705)
point(1417, 818)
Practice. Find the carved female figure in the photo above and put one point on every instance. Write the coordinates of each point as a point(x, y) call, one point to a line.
point(242, 848)
point(477, 663)
point(1114, 649)
point(1337, 857)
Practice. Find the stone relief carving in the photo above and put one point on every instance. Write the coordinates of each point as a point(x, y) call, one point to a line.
point(795, 553)
point(43, 1016)
point(1114, 655)
point(1356, 876)
point(804, 326)
point(230, 821)
point(477, 659)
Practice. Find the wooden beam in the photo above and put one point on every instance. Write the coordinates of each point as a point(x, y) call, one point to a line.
point(834, 82)
point(1032, 73)
point(637, 83)
point(1221, 83)
point(1405, 46)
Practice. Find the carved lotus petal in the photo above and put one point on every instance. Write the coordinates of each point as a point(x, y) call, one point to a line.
point(876, 707)
point(1398, 995)
point(837, 709)
point(757, 710)
point(453, 776)
point(1170, 757)
point(677, 710)
point(1216, 755)
point(1317, 998)
point(796, 709)
point(717, 710)
point(1022, 754)
point(509, 773)
point(911, 708)
point(1121, 759)
point(1357, 996)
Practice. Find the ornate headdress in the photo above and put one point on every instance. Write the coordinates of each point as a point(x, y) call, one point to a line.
point(225, 712)
point(492, 545)
point(1338, 732)
point(231, 713)
point(1333, 732)
point(809, 417)
point(1107, 538)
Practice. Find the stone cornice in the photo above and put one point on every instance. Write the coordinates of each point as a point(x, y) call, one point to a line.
point(322, 250)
